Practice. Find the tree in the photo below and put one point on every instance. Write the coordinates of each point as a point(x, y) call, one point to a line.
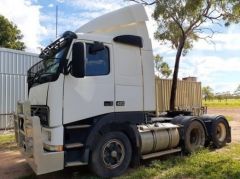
point(10, 35)
point(207, 92)
point(162, 67)
point(181, 22)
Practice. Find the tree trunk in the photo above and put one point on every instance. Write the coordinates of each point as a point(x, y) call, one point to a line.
point(175, 74)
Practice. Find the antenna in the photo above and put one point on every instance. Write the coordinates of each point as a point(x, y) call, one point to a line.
point(56, 21)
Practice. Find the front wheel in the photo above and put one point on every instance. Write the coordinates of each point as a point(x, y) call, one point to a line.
point(112, 155)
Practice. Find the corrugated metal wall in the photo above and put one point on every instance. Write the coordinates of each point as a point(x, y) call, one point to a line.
point(13, 77)
point(189, 95)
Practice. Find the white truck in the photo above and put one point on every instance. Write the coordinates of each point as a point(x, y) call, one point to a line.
point(92, 102)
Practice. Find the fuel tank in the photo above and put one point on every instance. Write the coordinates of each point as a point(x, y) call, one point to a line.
point(158, 136)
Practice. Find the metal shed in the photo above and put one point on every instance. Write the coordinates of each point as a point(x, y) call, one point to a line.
point(13, 77)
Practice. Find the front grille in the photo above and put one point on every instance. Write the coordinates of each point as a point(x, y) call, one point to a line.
point(42, 112)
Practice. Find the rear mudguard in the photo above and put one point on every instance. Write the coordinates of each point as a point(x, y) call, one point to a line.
point(184, 121)
point(208, 121)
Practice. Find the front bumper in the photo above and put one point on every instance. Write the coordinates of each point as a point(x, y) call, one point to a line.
point(29, 139)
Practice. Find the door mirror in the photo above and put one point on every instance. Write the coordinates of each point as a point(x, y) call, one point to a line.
point(78, 66)
point(97, 46)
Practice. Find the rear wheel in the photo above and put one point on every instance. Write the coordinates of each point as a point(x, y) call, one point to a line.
point(112, 155)
point(194, 136)
point(219, 132)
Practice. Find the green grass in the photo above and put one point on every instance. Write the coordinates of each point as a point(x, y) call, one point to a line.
point(224, 163)
point(7, 142)
point(229, 118)
point(230, 103)
point(204, 164)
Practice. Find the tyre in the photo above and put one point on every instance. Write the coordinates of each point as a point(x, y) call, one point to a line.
point(194, 136)
point(219, 132)
point(112, 155)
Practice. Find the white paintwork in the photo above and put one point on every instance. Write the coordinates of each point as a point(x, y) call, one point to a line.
point(70, 99)
point(131, 95)
point(55, 101)
point(43, 162)
point(38, 94)
point(56, 135)
point(115, 20)
point(148, 78)
point(95, 37)
point(128, 60)
point(128, 78)
point(84, 97)
point(131, 77)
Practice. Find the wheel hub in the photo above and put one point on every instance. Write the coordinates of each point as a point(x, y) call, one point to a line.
point(221, 132)
point(194, 137)
point(113, 153)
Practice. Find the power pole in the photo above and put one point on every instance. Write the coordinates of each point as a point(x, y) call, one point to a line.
point(56, 21)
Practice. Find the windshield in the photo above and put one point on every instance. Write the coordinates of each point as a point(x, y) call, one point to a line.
point(46, 70)
point(51, 65)
point(53, 56)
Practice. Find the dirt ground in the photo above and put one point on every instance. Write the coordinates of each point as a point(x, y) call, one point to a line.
point(12, 165)
point(235, 123)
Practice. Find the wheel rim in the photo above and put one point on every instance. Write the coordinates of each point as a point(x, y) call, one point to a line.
point(195, 137)
point(221, 132)
point(113, 153)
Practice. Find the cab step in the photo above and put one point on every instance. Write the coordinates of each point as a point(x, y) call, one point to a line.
point(74, 145)
point(157, 154)
point(78, 126)
point(75, 163)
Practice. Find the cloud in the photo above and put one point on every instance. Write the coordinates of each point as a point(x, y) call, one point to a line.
point(217, 72)
point(50, 5)
point(81, 13)
point(27, 17)
point(99, 5)
point(220, 42)
point(60, 1)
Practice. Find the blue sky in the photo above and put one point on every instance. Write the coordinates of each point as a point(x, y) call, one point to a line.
point(215, 64)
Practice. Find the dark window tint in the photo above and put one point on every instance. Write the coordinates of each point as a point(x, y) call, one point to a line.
point(97, 63)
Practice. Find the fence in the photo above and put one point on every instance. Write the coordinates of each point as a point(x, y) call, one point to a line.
point(13, 81)
point(188, 97)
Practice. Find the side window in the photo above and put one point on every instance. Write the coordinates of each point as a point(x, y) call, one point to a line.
point(97, 63)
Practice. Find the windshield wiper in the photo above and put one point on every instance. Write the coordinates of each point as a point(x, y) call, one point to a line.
point(37, 79)
point(37, 76)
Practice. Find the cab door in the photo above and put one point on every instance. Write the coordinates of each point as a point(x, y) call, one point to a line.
point(93, 94)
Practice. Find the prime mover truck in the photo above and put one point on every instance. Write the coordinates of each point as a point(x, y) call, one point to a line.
point(92, 101)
